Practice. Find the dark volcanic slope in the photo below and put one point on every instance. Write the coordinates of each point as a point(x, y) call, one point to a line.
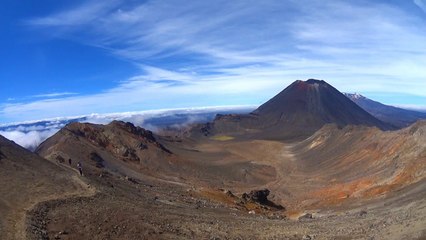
point(25, 180)
point(119, 146)
point(396, 116)
point(298, 111)
point(313, 103)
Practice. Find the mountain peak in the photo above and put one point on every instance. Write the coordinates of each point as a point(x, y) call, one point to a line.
point(315, 81)
point(354, 96)
point(398, 117)
point(310, 81)
point(301, 109)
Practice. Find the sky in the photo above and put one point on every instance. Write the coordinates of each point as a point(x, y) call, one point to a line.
point(72, 57)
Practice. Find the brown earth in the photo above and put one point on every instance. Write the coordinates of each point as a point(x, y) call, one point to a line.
point(166, 211)
point(26, 180)
point(351, 183)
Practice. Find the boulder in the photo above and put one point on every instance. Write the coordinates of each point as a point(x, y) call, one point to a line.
point(306, 216)
point(259, 196)
point(98, 159)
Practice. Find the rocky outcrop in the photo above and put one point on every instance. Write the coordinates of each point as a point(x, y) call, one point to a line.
point(98, 159)
point(259, 196)
point(130, 128)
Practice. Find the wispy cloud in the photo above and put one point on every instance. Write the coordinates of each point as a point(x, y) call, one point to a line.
point(238, 51)
point(53, 95)
point(421, 4)
point(81, 15)
point(412, 107)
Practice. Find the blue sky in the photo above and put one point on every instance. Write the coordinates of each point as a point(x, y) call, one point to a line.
point(68, 58)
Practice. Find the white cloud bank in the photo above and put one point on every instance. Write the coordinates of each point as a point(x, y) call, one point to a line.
point(31, 133)
point(29, 140)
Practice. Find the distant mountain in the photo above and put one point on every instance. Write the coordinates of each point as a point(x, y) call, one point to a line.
point(31, 134)
point(297, 112)
point(396, 116)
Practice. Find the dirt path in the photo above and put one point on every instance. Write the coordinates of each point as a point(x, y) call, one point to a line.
point(284, 162)
point(15, 227)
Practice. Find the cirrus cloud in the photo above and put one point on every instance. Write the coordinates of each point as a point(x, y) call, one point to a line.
point(236, 52)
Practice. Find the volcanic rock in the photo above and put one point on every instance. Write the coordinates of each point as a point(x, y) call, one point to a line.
point(259, 196)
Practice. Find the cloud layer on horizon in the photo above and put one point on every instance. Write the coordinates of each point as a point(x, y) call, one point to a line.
point(237, 52)
point(31, 133)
